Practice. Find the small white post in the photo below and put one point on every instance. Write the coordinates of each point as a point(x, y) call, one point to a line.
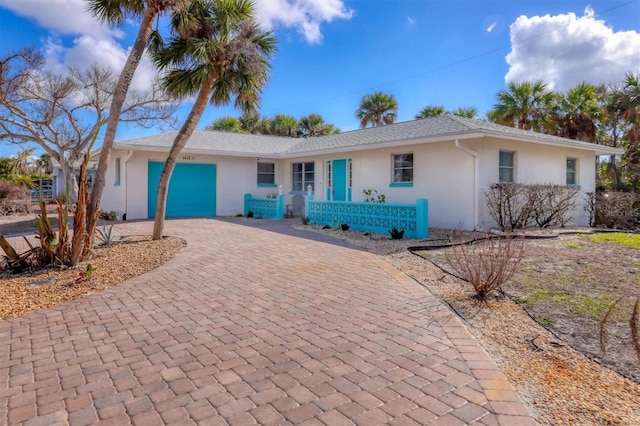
point(309, 189)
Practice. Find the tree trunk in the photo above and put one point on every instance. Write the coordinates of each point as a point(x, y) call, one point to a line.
point(178, 144)
point(117, 102)
point(70, 181)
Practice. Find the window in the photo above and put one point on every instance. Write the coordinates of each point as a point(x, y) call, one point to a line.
point(572, 164)
point(403, 168)
point(302, 175)
point(505, 168)
point(117, 182)
point(266, 174)
point(350, 171)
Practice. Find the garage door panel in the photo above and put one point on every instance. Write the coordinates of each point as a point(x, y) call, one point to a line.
point(192, 190)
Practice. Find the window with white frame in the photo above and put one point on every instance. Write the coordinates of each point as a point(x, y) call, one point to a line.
point(572, 168)
point(302, 175)
point(117, 180)
point(506, 167)
point(266, 174)
point(403, 168)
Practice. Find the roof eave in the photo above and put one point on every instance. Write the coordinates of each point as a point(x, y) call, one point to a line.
point(585, 146)
point(187, 150)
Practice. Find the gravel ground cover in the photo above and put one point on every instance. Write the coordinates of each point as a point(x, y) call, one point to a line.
point(42, 288)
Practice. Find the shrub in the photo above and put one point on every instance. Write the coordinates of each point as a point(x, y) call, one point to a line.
point(249, 213)
point(488, 263)
point(396, 234)
point(14, 198)
point(344, 226)
point(617, 210)
point(105, 236)
point(516, 206)
point(305, 220)
point(371, 196)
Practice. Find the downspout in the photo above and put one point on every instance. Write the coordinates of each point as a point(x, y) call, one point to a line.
point(476, 180)
point(126, 178)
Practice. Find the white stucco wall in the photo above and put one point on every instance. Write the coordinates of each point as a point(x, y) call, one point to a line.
point(235, 177)
point(534, 163)
point(443, 174)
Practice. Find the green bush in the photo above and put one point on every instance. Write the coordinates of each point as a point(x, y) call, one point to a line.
point(396, 234)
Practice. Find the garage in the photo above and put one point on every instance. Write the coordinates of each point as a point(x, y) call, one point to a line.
point(192, 190)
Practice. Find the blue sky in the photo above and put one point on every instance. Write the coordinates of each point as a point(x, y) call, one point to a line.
point(331, 52)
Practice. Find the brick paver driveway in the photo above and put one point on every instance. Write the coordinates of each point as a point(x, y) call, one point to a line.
point(249, 326)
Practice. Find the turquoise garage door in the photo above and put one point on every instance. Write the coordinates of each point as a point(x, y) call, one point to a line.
point(192, 190)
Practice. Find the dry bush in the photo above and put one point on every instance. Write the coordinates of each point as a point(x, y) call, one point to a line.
point(516, 206)
point(14, 198)
point(552, 204)
point(618, 210)
point(634, 324)
point(487, 263)
point(509, 205)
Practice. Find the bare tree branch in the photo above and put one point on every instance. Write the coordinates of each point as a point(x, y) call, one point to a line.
point(63, 113)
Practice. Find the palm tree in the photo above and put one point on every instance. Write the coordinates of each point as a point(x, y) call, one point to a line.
point(44, 164)
point(578, 110)
point(377, 109)
point(118, 12)
point(23, 161)
point(284, 125)
point(523, 105)
point(624, 102)
point(251, 123)
point(431, 111)
point(468, 112)
point(226, 124)
point(217, 52)
point(313, 125)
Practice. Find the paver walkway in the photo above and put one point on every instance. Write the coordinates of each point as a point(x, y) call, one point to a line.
point(249, 326)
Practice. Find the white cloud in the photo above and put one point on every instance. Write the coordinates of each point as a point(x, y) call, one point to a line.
point(96, 42)
point(61, 16)
point(302, 15)
point(564, 50)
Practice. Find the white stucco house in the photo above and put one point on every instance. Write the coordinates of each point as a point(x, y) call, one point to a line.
point(446, 159)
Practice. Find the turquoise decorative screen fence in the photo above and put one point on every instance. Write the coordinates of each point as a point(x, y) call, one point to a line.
point(373, 217)
point(266, 208)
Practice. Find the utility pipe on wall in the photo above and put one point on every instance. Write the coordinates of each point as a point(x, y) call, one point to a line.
point(126, 178)
point(476, 179)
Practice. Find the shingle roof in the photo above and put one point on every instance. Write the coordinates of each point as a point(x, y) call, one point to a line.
point(423, 130)
point(214, 141)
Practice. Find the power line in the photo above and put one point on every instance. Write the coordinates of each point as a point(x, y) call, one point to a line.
point(456, 62)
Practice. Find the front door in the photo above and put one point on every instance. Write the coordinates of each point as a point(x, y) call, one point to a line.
point(338, 181)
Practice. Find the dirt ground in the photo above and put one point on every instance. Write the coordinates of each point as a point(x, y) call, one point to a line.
point(567, 284)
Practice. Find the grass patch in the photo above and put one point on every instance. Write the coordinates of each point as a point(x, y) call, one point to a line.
point(547, 322)
point(581, 305)
point(572, 244)
point(620, 238)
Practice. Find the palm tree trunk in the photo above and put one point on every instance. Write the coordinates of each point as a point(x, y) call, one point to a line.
point(119, 97)
point(178, 144)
